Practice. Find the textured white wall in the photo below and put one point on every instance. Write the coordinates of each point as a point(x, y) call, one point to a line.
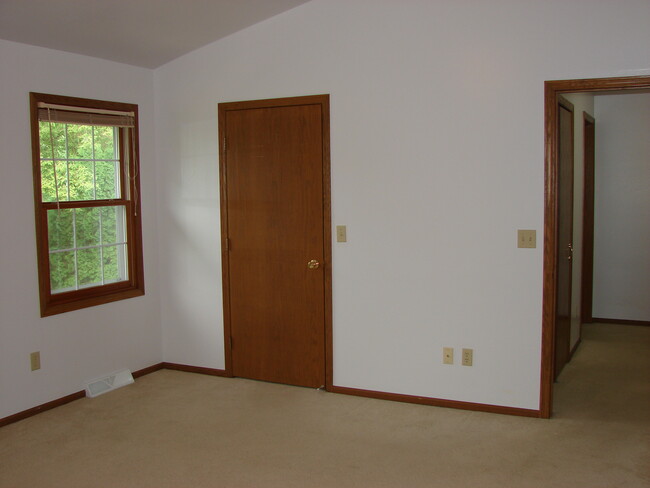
point(622, 207)
point(437, 158)
point(80, 345)
point(582, 102)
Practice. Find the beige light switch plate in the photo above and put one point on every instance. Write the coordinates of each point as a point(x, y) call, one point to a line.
point(35, 360)
point(341, 233)
point(526, 238)
point(468, 357)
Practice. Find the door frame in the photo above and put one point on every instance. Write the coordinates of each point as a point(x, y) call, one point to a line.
point(568, 106)
point(587, 279)
point(223, 108)
point(552, 89)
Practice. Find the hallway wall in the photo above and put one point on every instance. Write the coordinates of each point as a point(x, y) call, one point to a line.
point(622, 207)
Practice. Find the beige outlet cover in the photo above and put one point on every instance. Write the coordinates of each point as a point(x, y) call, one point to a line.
point(341, 233)
point(468, 357)
point(35, 360)
point(447, 355)
point(526, 238)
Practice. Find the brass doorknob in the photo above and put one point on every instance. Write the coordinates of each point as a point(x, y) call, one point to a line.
point(313, 264)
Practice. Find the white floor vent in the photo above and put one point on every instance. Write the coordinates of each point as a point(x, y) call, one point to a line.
point(104, 384)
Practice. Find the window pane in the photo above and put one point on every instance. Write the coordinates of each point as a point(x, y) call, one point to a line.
point(47, 181)
point(56, 138)
point(105, 142)
point(62, 271)
point(80, 141)
point(89, 267)
point(106, 174)
point(87, 163)
point(114, 258)
point(62, 181)
point(60, 229)
point(113, 225)
point(87, 226)
point(48, 193)
point(82, 180)
point(87, 231)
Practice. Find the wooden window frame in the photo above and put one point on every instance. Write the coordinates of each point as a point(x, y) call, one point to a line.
point(52, 304)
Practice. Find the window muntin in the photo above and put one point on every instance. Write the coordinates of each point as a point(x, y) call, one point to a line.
point(86, 188)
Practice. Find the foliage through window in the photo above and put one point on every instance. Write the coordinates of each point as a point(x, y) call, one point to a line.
point(86, 188)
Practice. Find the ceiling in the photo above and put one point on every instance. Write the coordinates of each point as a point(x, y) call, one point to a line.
point(147, 33)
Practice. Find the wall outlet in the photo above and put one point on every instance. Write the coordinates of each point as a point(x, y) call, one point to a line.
point(468, 357)
point(35, 360)
point(447, 355)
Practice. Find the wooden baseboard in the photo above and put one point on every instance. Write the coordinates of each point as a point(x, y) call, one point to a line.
point(66, 399)
point(574, 348)
point(149, 370)
point(436, 402)
point(195, 369)
point(42, 408)
point(396, 397)
point(643, 323)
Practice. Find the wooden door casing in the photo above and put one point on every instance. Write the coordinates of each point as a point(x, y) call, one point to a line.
point(589, 142)
point(552, 90)
point(565, 235)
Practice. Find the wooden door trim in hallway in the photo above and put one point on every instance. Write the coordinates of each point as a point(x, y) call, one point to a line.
point(552, 89)
point(564, 250)
point(587, 279)
point(224, 108)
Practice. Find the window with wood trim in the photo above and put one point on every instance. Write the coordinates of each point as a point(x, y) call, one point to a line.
point(87, 201)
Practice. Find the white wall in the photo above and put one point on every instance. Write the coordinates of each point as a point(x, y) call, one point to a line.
point(80, 345)
point(622, 207)
point(437, 158)
point(582, 102)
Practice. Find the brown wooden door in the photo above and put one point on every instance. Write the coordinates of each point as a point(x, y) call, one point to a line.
point(565, 235)
point(276, 213)
point(589, 124)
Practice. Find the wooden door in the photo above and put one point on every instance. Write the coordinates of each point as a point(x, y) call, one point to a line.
point(589, 124)
point(275, 229)
point(565, 235)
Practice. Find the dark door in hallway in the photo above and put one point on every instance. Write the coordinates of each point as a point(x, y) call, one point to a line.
point(565, 235)
point(589, 142)
point(275, 268)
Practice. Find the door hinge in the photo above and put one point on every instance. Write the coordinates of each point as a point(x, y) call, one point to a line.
point(230, 341)
point(227, 243)
point(224, 144)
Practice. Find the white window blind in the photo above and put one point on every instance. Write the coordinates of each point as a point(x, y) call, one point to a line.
point(85, 116)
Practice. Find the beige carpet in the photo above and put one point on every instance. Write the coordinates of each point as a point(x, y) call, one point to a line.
point(174, 429)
